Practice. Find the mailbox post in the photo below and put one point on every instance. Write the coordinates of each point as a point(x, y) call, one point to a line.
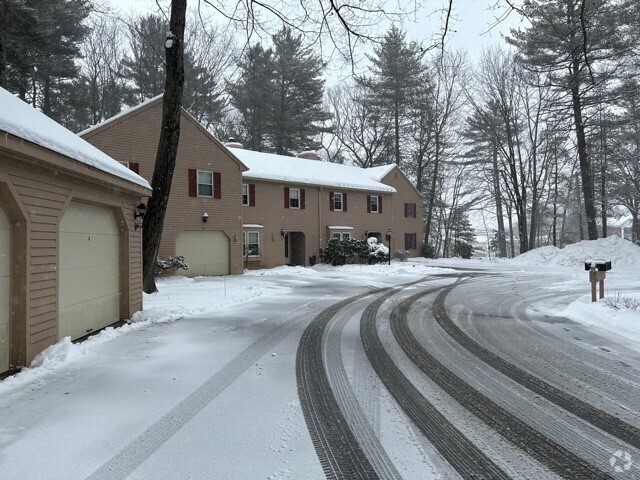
point(597, 273)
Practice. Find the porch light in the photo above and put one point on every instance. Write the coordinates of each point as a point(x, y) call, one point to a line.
point(283, 232)
point(170, 41)
point(205, 217)
point(139, 212)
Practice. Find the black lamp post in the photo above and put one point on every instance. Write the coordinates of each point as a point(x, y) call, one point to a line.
point(389, 233)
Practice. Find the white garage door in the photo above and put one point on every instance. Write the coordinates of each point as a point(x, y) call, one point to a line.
point(4, 291)
point(207, 253)
point(89, 270)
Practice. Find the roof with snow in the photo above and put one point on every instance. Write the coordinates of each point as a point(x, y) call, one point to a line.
point(280, 168)
point(21, 120)
point(124, 113)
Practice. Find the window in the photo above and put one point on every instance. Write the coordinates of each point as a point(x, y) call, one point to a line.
point(341, 236)
point(373, 204)
point(294, 198)
point(410, 210)
point(124, 164)
point(205, 184)
point(410, 241)
point(251, 244)
point(337, 201)
point(245, 194)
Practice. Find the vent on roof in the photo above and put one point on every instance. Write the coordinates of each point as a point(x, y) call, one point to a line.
point(233, 143)
point(309, 155)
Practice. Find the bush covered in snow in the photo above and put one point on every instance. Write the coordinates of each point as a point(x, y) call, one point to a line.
point(171, 264)
point(378, 252)
point(343, 252)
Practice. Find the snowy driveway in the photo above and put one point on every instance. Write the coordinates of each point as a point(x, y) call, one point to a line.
point(407, 371)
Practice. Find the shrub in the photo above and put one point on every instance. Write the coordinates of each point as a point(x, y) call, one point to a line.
point(170, 264)
point(463, 250)
point(618, 302)
point(428, 250)
point(341, 252)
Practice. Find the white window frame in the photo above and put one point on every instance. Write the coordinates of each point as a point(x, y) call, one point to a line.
point(337, 195)
point(292, 198)
point(198, 183)
point(245, 194)
point(373, 200)
point(245, 239)
point(124, 164)
point(337, 235)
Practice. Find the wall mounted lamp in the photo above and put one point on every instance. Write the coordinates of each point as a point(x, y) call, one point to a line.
point(205, 217)
point(139, 212)
point(283, 232)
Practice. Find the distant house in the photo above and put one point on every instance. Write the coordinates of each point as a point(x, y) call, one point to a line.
point(203, 220)
point(262, 210)
point(292, 206)
point(70, 253)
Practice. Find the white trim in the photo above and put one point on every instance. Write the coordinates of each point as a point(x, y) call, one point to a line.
point(248, 195)
point(341, 202)
point(198, 183)
point(245, 238)
point(339, 227)
point(299, 198)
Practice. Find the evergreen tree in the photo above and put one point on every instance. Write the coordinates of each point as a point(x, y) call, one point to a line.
point(298, 109)
point(252, 95)
point(397, 74)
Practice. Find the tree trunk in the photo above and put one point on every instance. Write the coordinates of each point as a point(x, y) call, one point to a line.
point(583, 155)
point(167, 146)
point(4, 15)
point(502, 241)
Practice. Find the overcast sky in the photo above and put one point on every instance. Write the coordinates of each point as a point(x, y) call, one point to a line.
point(474, 24)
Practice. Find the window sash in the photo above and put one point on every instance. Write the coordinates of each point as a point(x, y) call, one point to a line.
point(294, 198)
point(341, 236)
point(411, 210)
point(205, 183)
point(245, 194)
point(124, 164)
point(251, 244)
point(337, 201)
point(374, 204)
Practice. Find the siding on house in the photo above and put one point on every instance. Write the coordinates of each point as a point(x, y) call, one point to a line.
point(36, 186)
point(133, 137)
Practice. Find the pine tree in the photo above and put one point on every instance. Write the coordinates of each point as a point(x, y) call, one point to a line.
point(397, 73)
point(298, 108)
point(252, 95)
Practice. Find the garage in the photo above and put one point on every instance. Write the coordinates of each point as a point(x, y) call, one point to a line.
point(89, 270)
point(4, 291)
point(206, 253)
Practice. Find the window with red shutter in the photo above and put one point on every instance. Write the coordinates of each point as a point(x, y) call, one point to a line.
point(193, 183)
point(217, 185)
point(135, 167)
point(286, 197)
point(252, 194)
point(331, 206)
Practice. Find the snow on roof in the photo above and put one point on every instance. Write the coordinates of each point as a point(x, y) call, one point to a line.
point(23, 121)
point(268, 166)
point(340, 227)
point(120, 115)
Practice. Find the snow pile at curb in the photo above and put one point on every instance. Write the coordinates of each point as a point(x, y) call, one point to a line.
point(623, 254)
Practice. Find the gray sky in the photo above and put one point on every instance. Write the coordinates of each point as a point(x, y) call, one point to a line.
point(474, 23)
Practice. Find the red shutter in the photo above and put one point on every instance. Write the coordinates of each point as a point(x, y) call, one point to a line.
point(406, 214)
point(344, 202)
point(380, 204)
point(406, 239)
point(368, 203)
point(193, 183)
point(252, 194)
point(415, 209)
point(217, 185)
point(302, 198)
point(286, 197)
point(331, 204)
point(415, 241)
point(134, 167)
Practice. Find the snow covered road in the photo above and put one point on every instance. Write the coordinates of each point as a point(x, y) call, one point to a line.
point(409, 371)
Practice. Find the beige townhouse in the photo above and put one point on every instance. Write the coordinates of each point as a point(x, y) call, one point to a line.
point(292, 206)
point(70, 248)
point(204, 216)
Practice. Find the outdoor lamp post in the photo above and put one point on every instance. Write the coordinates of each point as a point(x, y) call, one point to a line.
point(389, 233)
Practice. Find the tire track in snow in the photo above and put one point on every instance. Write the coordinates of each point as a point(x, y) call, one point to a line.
point(606, 422)
point(546, 451)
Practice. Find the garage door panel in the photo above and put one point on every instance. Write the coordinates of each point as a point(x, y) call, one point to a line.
point(206, 253)
point(5, 264)
point(91, 282)
point(89, 270)
point(77, 249)
point(79, 318)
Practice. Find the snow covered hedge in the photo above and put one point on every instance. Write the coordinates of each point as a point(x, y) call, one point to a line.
point(346, 252)
point(171, 264)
